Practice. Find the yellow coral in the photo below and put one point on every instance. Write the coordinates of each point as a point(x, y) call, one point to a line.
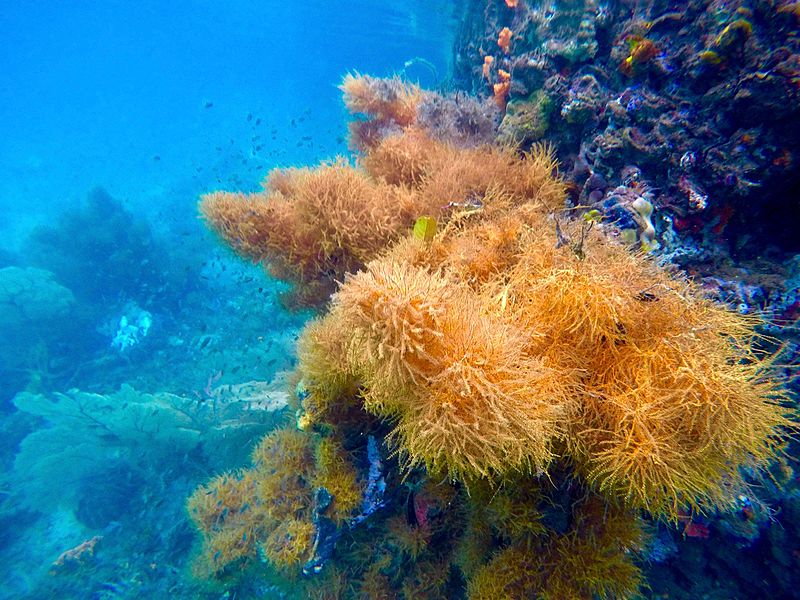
point(337, 475)
point(591, 560)
point(289, 544)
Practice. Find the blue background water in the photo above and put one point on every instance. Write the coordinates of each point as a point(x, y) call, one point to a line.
point(156, 103)
point(92, 92)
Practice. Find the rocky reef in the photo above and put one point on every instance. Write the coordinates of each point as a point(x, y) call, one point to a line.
point(690, 106)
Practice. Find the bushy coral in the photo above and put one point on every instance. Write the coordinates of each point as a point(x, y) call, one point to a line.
point(335, 473)
point(562, 382)
point(591, 560)
point(267, 511)
point(288, 545)
point(311, 227)
point(385, 107)
point(654, 390)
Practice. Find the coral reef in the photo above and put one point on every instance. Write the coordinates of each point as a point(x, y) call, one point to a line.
point(564, 390)
point(107, 256)
point(695, 99)
point(90, 432)
point(310, 227)
point(32, 304)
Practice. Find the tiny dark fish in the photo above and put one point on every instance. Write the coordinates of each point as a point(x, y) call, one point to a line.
point(156, 157)
point(209, 105)
point(646, 297)
point(205, 343)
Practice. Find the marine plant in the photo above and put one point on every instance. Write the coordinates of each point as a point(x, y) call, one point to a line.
point(263, 511)
point(556, 386)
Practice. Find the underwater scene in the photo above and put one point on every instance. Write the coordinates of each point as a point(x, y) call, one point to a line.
point(475, 300)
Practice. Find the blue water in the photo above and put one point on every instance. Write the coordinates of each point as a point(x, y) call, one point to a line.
point(93, 92)
point(114, 117)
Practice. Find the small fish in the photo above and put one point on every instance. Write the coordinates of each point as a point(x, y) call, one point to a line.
point(646, 296)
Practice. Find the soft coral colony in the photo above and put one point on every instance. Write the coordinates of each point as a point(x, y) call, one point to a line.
point(543, 392)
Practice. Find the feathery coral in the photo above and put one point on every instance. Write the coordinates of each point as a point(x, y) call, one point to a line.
point(591, 560)
point(551, 372)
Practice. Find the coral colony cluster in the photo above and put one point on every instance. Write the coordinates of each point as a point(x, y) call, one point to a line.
point(500, 399)
point(689, 106)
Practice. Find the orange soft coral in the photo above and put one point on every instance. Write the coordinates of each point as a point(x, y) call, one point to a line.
point(504, 39)
point(487, 64)
point(502, 89)
point(311, 226)
point(491, 345)
point(386, 104)
point(388, 100)
point(513, 334)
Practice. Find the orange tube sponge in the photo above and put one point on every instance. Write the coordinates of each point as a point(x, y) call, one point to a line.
point(487, 64)
point(502, 89)
point(504, 39)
